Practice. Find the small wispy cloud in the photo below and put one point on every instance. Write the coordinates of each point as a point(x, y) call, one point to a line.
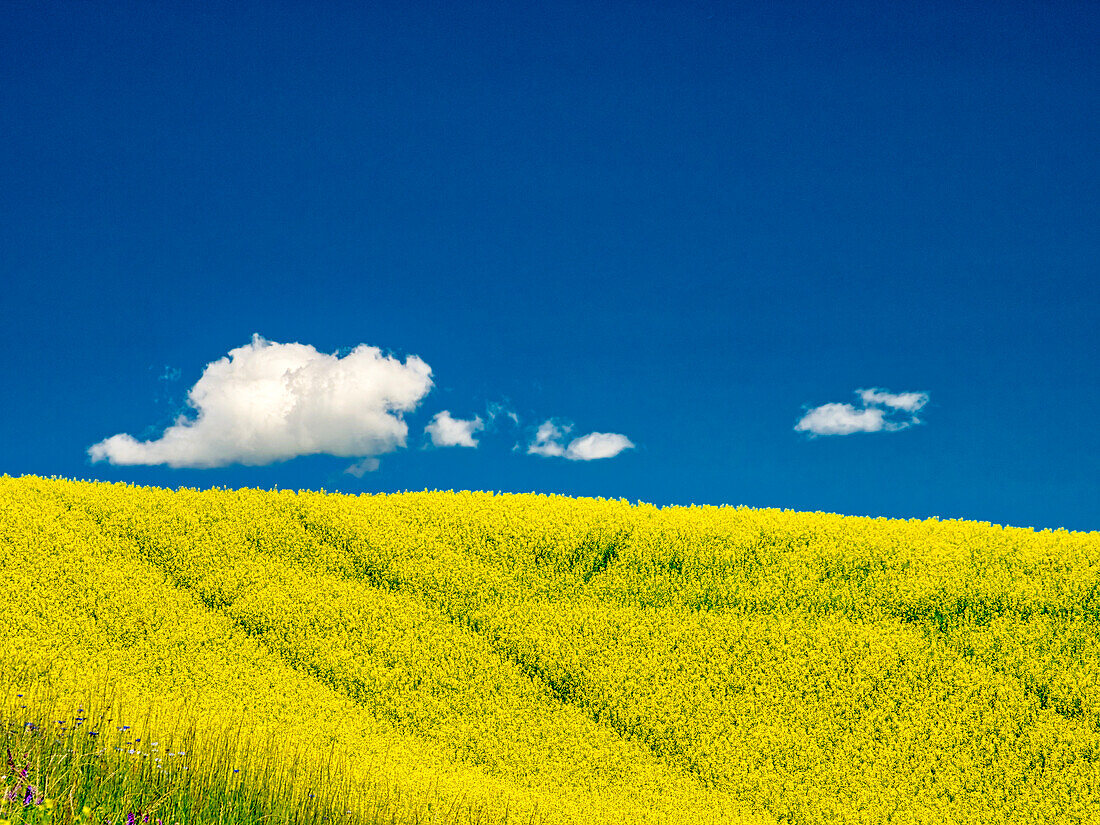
point(882, 411)
point(453, 432)
point(908, 401)
point(498, 409)
point(549, 438)
point(269, 402)
point(361, 468)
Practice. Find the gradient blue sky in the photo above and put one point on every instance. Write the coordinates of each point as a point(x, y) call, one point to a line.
point(684, 222)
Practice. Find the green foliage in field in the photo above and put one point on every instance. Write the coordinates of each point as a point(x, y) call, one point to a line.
point(470, 657)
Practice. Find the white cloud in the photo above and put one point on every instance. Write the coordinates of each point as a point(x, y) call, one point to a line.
point(597, 445)
point(453, 432)
point(497, 409)
point(908, 401)
point(840, 419)
point(548, 439)
point(361, 468)
point(548, 442)
point(879, 413)
point(269, 402)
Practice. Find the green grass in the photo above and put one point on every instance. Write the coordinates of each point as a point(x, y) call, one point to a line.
point(81, 765)
point(104, 765)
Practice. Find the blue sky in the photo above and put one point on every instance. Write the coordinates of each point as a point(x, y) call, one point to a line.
point(685, 226)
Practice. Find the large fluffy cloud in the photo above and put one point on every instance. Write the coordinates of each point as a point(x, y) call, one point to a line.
point(840, 419)
point(269, 402)
point(597, 445)
point(881, 411)
point(548, 442)
point(453, 432)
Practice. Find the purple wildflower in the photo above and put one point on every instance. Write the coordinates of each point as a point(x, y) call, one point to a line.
point(29, 798)
point(130, 819)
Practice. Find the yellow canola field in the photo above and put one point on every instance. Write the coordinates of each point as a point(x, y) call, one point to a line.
point(578, 660)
